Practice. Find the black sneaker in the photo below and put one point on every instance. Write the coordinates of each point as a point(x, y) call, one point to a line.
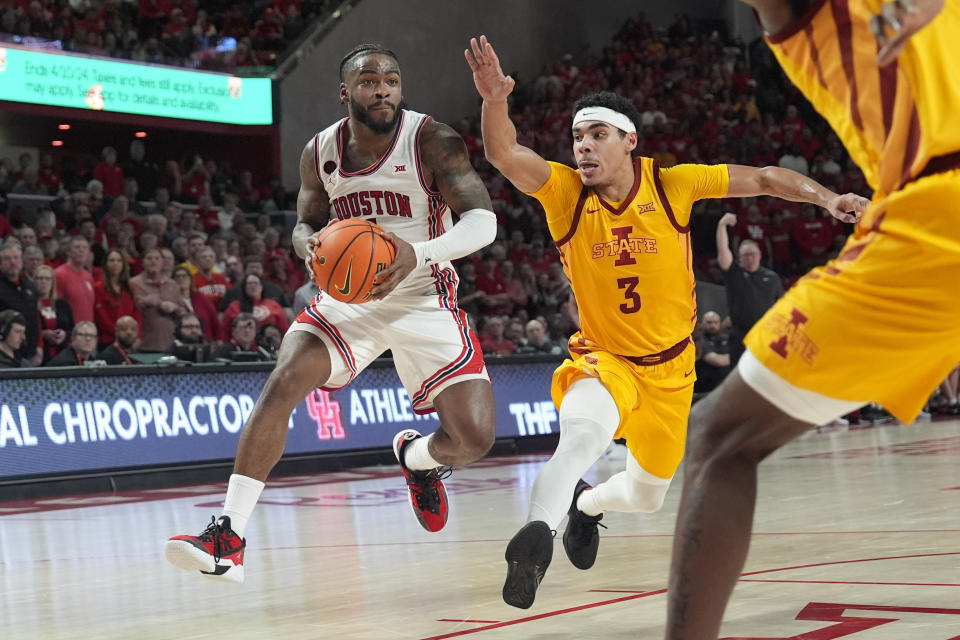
point(582, 537)
point(528, 556)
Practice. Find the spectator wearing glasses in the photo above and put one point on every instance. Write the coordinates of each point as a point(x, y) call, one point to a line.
point(19, 293)
point(751, 289)
point(242, 342)
point(196, 302)
point(189, 344)
point(56, 317)
point(264, 310)
point(83, 346)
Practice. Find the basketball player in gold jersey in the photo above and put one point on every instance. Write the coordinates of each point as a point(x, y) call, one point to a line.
point(621, 224)
point(877, 324)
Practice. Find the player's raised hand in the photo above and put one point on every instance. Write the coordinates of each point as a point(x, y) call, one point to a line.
point(898, 21)
point(492, 84)
point(847, 207)
point(388, 279)
point(728, 220)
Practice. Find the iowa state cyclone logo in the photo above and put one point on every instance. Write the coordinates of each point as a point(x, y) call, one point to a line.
point(325, 411)
point(793, 338)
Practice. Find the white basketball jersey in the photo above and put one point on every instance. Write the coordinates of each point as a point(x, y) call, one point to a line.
point(392, 193)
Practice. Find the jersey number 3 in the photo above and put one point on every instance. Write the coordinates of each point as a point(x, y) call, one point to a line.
point(632, 305)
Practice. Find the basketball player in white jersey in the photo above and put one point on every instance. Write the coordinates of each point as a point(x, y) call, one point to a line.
point(405, 172)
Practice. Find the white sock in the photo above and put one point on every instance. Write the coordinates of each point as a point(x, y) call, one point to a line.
point(588, 419)
point(416, 455)
point(629, 491)
point(242, 495)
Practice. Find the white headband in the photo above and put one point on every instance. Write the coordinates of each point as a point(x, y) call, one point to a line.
point(603, 114)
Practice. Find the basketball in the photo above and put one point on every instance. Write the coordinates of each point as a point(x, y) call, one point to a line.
point(349, 254)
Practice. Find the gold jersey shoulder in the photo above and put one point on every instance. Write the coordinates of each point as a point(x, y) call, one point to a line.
point(892, 119)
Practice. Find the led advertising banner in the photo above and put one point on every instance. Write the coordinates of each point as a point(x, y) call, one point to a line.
point(61, 425)
point(80, 82)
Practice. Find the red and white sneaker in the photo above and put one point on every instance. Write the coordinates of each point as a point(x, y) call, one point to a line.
point(216, 553)
point(428, 497)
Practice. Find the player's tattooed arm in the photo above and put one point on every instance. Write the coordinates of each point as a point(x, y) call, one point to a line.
point(449, 170)
point(313, 206)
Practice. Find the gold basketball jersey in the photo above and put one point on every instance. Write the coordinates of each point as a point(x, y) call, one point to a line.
point(630, 263)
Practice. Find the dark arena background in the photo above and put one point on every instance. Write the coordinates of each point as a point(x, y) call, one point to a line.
point(178, 125)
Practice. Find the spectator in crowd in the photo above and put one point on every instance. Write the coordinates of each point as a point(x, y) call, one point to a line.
point(27, 237)
point(19, 294)
point(537, 340)
point(13, 333)
point(253, 265)
point(126, 332)
point(169, 261)
point(82, 349)
point(264, 310)
point(56, 317)
point(496, 300)
point(142, 170)
point(781, 244)
point(713, 354)
point(282, 273)
point(208, 282)
point(74, 282)
point(269, 337)
point(30, 185)
point(469, 296)
point(159, 301)
point(109, 173)
point(32, 259)
point(189, 344)
point(751, 289)
point(305, 295)
point(241, 343)
point(812, 236)
point(492, 342)
point(196, 302)
point(113, 297)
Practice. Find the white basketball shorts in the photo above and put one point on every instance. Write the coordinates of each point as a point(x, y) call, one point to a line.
point(433, 346)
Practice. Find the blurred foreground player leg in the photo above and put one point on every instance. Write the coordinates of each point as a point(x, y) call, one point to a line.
point(352, 169)
point(878, 323)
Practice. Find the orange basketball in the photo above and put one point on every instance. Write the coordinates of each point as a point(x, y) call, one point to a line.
point(348, 256)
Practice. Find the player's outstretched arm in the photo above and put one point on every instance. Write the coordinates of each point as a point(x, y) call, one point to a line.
point(313, 207)
point(796, 187)
point(519, 164)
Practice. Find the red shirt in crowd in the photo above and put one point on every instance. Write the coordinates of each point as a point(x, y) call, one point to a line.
point(811, 235)
point(76, 287)
point(501, 347)
point(213, 287)
point(112, 178)
point(109, 308)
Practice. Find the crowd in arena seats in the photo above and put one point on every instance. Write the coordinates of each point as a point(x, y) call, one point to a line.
point(209, 34)
point(186, 249)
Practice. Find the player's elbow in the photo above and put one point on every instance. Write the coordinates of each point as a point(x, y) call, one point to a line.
point(486, 231)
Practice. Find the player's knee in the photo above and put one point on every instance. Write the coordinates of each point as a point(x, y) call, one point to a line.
point(712, 441)
point(647, 498)
point(585, 436)
point(477, 441)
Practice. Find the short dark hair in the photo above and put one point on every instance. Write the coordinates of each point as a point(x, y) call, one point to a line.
point(365, 49)
point(614, 101)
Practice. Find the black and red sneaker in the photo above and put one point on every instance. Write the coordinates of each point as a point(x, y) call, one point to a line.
point(428, 497)
point(217, 552)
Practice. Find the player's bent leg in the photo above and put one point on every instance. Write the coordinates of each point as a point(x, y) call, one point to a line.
point(466, 433)
point(730, 432)
point(632, 490)
point(589, 417)
point(303, 364)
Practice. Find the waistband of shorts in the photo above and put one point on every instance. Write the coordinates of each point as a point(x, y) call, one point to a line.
point(659, 358)
point(940, 164)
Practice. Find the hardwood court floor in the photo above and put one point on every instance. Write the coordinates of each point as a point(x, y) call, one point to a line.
point(857, 536)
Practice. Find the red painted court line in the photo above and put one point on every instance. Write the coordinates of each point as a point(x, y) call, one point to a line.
point(662, 591)
point(827, 564)
point(892, 584)
point(477, 621)
point(549, 614)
